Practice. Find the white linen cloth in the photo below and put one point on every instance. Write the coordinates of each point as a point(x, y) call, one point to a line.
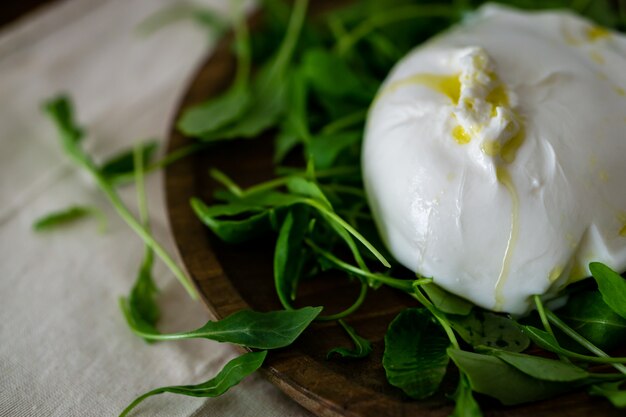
point(65, 349)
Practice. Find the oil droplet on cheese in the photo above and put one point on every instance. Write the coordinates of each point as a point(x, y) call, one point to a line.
point(510, 148)
point(622, 219)
point(505, 179)
point(497, 98)
point(620, 91)
point(555, 273)
point(597, 57)
point(448, 85)
point(595, 33)
point(491, 147)
point(460, 135)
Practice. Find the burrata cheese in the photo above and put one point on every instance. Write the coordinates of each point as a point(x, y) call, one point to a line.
point(493, 157)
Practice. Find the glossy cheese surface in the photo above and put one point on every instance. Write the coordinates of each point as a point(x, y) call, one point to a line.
point(495, 156)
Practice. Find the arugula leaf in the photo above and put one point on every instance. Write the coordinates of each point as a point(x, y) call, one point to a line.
point(232, 374)
point(268, 102)
point(611, 391)
point(542, 368)
point(305, 188)
point(141, 305)
point(268, 92)
point(284, 142)
point(233, 231)
point(69, 215)
point(330, 75)
point(415, 358)
point(612, 287)
point(592, 318)
point(140, 308)
point(207, 118)
point(465, 404)
point(491, 376)
point(123, 163)
point(59, 110)
point(447, 302)
point(288, 256)
point(273, 199)
point(362, 346)
point(482, 328)
point(325, 149)
point(548, 342)
point(271, 330)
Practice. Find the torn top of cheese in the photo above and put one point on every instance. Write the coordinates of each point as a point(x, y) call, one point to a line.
point(493, 156)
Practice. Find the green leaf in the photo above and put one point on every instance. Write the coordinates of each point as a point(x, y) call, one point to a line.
point(447, 302)
point(209, 117)
point(267, 105)
point(232, 374)
point(289, 256)
point(232, 231)
point(61, 112)
point(465, 404)
point(612, 287)
point(491, 376)
point(270, 87)
point(546, 341)
point(362, 346)
point(122, 164)
point(415, 358)
point(286, 140)
point(325, 149)
point(140, 308)
point(271, 330)
point(67, 216)
point(305, 188)
point(331, 76)
point(542, 368)
point(611, 391)
point(592, 318)
point(481, 328)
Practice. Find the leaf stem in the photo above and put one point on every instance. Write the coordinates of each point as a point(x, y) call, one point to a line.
point(165, 161)
point(391, 16)
point(546, 323)
point(344, 122)
point(291, 37)
point(140, 186)
point(400, 284)
point(354, 307)
point(584, 342)
point(242, 42)
point(417, 294)
point(139, 399)
point(333, 217)
point(144, 234)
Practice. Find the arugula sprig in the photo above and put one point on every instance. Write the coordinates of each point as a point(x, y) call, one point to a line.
point(68, 215)
point(60, 111)
point(141, 304)
point(313, 84)
point(232, 374)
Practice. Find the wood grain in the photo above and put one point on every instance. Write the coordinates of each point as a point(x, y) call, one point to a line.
point(231, 278)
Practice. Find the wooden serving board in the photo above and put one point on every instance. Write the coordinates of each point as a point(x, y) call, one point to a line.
point(233, 277)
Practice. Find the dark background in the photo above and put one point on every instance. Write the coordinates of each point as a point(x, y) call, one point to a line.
point(12, 10)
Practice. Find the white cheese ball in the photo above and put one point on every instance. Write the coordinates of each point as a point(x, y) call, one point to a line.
point(494, 157)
